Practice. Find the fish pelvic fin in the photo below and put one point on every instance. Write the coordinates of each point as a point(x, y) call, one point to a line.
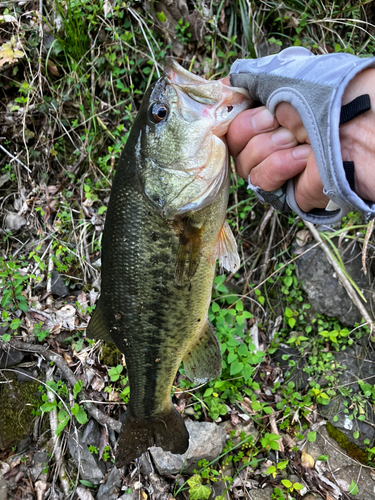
point(167, 430)
point(189, 252)
point(97, 328)
point(203, 361)
point(227, 249)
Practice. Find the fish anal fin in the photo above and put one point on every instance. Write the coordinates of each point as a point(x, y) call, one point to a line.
point(203, 360)
point(189, 251)
point(167, 430)
point(97, 328)
point(227, 252)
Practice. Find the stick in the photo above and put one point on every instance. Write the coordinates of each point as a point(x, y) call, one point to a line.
point(341, 276)
point(53, 421)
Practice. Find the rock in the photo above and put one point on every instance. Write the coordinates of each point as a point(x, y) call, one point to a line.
point(326, 294)
point(17, 404)
point(91, 434)
point(262, 494)
point(89, 468)
point(14, 222)
point(9, 356)
point(345, 469)
point(3, 488)
point(111, 488)
point(129, 496)
point(58, 286)
point(206, 441)
point(297, 375)
point(357, 364)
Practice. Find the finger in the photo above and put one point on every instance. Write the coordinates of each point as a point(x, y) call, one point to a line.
point(280, 166)
point(289, 118)
point(308, 187)
point(260, 147)
point(248, 124)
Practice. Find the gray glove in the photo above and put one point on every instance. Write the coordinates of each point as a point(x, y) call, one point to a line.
point(314, 85)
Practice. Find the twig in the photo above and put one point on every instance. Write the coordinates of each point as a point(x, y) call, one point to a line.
point(275, 430)
point(341, 276)
point(15, 159)
point(365, 245)
point(53, 421)
point(268, 251)
point(61, 364)
point(49, 300)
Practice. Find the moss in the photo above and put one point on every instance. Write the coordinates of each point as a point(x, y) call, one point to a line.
point(18, 400)
point(110, 355)
point(351, 449)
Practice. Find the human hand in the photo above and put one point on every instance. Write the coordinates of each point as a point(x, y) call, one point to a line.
point(277, 149)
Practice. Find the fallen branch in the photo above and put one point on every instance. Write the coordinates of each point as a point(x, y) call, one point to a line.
point(341, 276)
point(53, 422)
point(66, 371)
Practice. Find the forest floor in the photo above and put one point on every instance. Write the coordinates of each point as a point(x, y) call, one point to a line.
point(296, 395)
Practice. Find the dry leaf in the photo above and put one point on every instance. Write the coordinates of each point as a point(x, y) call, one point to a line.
point(9, 53)
point(8, 19)
point(114, 397)
point(144, 495)
point(52, 68)
point(302, 237)
point(97, 383)
point(307, 460)
point(40, 489)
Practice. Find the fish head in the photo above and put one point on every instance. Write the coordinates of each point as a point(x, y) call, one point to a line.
point(185, 159)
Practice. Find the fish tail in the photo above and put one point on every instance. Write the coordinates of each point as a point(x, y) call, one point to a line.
point(166, 430)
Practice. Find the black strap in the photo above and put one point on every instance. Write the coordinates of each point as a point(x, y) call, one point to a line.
point(349, 172)
point(359, 105)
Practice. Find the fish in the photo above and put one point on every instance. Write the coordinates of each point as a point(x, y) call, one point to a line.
point(165, 228)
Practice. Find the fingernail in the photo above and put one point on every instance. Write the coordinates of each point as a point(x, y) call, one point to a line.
point(262, 121)
point(282, 137)
point(302, 152)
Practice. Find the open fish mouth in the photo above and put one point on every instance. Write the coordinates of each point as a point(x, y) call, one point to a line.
point(194, 173)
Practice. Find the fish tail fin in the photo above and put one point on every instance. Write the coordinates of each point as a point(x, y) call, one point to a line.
point(166, 430)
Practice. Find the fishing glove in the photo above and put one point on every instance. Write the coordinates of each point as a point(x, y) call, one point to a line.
point(314, 85)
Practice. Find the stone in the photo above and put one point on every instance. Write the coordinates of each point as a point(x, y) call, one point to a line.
point(89, 468)
point(206, 441)
point(111, 488)
point(14, 222)
point(91, 434)
point(58, 286)
point(326, 294)
point(9, 356)
point(297, 375)
point(84, 493)
point(17, 403)
point(129, 496)
point(357, 364)
point(344, 468)
point(262, 494)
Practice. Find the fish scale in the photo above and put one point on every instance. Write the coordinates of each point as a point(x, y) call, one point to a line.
point(158, 264)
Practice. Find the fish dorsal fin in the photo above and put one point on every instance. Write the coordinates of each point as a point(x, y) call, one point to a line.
point(203, 360)
point(227, 249)
point(97, 328)
point(189, 250)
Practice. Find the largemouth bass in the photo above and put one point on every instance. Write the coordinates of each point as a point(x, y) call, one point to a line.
point(165, 228)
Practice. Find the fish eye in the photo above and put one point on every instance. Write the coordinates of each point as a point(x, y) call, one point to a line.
point(159, 112)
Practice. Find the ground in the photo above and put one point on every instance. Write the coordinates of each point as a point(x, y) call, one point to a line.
point(72, 76)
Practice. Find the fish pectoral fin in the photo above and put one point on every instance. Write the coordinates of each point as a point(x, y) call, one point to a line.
point(97, 328)
point(203, 360)
point(189, 250)
point(166, 430)
point(227, 249)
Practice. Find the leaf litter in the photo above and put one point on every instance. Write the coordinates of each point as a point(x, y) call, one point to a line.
point(50, 131)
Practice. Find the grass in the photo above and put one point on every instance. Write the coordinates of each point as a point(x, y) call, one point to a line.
point(70, 92)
